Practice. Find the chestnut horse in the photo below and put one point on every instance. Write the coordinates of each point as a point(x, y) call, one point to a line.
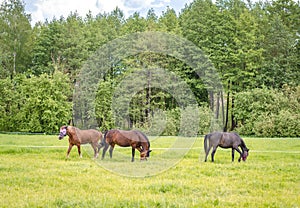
point(135, 139)
point(78, 137)
point(225, 140)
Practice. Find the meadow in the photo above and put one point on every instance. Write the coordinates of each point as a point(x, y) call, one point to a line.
point(34, 172)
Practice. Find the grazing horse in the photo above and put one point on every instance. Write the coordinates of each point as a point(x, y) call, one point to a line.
point(78, 137)
point(225, 140)
point(135, 139)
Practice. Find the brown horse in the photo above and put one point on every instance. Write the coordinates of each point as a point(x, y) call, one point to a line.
point(225, 140)
point(135, 139)
point(78, 137)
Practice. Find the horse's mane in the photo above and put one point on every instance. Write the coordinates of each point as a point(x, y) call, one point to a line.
point(145, 137)
point(243, 143)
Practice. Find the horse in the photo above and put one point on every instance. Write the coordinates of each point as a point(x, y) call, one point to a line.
point(225, 140)
point(134, 138)
point(78, 137)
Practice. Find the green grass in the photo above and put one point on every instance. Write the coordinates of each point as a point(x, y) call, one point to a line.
point(35, 173)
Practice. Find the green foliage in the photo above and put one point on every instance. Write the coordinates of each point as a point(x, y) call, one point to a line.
point(267, 112)
point(15, 38)
point(103, 104)
point(36, 104)
point(250, 44)
point(173, 122)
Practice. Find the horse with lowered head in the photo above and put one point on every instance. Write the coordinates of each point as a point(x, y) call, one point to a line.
point(78, 137)
point(225, 140)
point(134, 138)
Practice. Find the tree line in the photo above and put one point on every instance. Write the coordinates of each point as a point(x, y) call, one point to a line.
point(254, 47)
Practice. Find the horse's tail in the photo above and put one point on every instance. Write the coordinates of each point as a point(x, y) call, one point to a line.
point(205, 143)
point(103, 141)
point(100, 145)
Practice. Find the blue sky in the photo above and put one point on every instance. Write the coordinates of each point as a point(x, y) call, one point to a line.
point(41, 10)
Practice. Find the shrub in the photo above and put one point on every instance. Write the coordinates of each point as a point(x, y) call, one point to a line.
point(268, 112)
point(36, 104)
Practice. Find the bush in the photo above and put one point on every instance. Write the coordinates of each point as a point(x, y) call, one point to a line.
point(268, 112)
point(36, 104)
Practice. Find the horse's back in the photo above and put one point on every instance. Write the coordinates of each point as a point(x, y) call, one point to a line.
point(126, 138)
point(120, 137)
point(214, 137)
point(90, 136)
point(142, 136)
point(230, 139)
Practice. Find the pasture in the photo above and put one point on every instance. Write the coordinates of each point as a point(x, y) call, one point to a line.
point(34, 172)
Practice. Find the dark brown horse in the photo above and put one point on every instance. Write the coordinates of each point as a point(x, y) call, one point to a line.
point(135, 139)
point(225, 140)
point(78, 137)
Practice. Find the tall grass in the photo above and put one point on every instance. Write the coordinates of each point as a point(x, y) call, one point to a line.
point(35, 173)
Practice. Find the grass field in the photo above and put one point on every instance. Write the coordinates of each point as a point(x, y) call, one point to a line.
point(35, 173)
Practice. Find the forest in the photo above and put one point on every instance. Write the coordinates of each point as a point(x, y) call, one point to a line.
point(253, 46)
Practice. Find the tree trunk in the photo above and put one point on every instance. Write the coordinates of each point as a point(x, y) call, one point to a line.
point(227, 108)
point(223, 111)
point(218, 106)
point(233, 123)
point(148, 97)
point(212, 100)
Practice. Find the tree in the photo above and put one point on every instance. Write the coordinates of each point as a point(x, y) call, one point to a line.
point(36, 104)
point(47, 51)
point(135, 23)
point(15, 34)
point(169, 22)
point(281, 53)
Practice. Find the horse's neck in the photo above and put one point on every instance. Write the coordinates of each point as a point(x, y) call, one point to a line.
point(243, 145)
point(73, 133)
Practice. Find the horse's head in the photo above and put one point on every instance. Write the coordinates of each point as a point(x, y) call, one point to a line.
point(62, 132)
point(145, 154)
point(245, 154)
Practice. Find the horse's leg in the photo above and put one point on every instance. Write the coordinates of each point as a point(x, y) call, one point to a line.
point(104, 150)
point(232, 154)
point(111, 149)
point(213, 153)
point(79, 152)
point(207, 152)
point(239, 151)
point(69, 150)
point(95, 147)
point(99, 147)
point(133, 153)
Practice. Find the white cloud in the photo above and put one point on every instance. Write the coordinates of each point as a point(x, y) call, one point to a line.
point(47, 9)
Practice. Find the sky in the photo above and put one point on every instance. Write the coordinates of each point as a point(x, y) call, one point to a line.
point(41, 10)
